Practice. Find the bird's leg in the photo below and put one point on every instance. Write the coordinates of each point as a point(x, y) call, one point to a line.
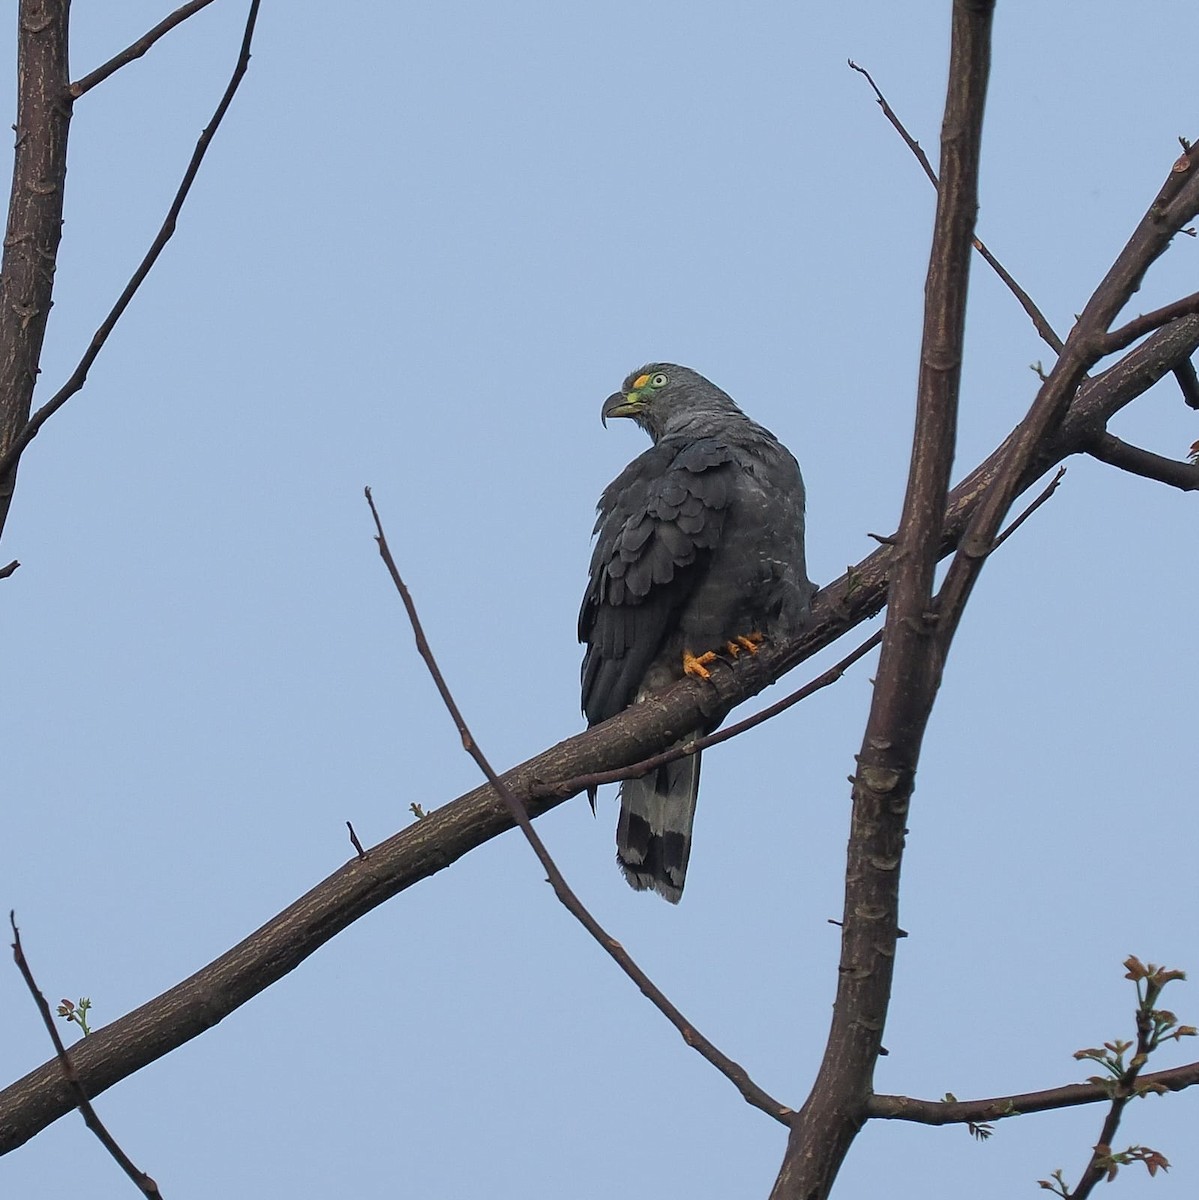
point(749, 643)
point(697, 665)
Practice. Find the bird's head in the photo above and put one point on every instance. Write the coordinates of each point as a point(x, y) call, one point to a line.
point(662, 397)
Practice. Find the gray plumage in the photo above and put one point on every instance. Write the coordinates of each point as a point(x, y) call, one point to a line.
point(699, 542)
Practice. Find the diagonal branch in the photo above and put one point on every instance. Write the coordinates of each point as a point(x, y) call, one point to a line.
point(91, 1118)
point(138, 48)
point(1038, 318)
point(1032, 508)
point(1176, 203)
point(1120, 339)
point(732, 1071)
point(572, 787)
point(199, 1002)
point(79, 375)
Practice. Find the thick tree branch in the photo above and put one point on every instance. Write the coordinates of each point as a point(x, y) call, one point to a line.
point(193, 1006)
point(12, 449)
point(909, 670)
point(34, 216)
point(137, 49)
point(1133, 459)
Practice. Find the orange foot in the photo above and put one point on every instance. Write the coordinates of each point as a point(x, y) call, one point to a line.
point(698, 665)
point(749, 643)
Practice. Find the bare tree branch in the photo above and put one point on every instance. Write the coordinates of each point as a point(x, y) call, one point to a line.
point(909, 671)
point(91, 1118)
point(1038, 318)
point(34, 216)
point(572, 787)
point(1133, 459)
point(731, 1070)
point(199, 1002)
point(1176, 203)
point(16, 446)
point(138, 48)
point(1188, 382)
point(1123, 337)
point(1071, 1095)
point(1032, 508)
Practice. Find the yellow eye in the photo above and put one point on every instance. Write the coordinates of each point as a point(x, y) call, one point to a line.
point(659, 380)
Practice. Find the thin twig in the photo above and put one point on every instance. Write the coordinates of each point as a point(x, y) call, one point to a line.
point(354, 841)
point(147, 1185)
point(138, 48)
point(79, 376)
point(888, 112)
point(570, 787)
point(1038, 318)
point(1032, 508)
point(975, 1112)
point(726, 1066)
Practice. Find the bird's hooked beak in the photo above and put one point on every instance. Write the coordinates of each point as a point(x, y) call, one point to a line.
point(620, 405)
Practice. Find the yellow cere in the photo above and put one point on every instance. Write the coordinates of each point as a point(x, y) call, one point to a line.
point(640, 382)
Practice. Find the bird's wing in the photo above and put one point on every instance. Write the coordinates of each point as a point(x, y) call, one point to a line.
point(658, 524)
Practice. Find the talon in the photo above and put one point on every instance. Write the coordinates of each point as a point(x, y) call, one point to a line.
point(749, 643)
point(698, 665)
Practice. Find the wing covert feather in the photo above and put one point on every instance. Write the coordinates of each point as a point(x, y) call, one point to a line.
point(658, 523)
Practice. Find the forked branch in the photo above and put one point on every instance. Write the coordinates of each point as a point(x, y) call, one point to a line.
point(29, 431)
point(453, 829)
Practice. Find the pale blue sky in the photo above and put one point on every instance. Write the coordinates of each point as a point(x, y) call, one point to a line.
point(429, 240)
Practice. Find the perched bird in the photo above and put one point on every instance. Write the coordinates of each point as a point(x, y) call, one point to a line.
point(699, 554)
